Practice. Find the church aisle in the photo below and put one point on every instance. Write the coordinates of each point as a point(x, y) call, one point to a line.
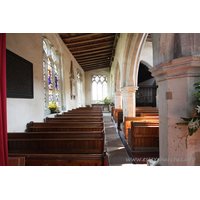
point(117, 154)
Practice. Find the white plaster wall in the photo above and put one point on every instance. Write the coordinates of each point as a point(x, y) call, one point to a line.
point(29, 46)
point(88, 83)
point(22, 111)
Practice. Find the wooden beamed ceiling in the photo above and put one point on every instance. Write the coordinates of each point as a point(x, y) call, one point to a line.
point(91, 50)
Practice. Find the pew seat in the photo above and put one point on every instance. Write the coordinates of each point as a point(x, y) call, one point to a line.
point(143, 135)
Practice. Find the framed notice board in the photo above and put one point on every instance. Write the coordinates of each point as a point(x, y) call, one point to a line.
point(19, 76)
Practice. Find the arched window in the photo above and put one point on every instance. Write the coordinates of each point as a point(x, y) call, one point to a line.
point(79, 86)
point(99, 87)
point(50, 74)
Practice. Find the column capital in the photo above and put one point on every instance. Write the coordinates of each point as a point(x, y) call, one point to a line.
point(177, 68)
point(118, 93)
point(129, 89)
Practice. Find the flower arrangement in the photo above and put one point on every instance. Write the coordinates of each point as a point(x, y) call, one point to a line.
point(107, 100)
point(53, 107)
point(97, 102)
point(193, 122)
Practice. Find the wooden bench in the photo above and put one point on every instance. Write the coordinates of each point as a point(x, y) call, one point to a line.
point(64, 159)
point(64, 126)
point(74, 119)
point(149, 114)
point(145, 110)
point(112, 110)
point(127, 121)
point(114, 113)
point(81, 114)
point(16, 161)
point(89, 108)
point(84, 111)
point(143, 135)
point(119, 117)
point(56, 142)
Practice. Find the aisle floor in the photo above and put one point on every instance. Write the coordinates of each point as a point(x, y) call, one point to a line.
point(117, 154)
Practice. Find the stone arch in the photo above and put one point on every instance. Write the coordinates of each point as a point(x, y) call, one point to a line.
point(124, 61)
point(117, 80)
point(146, 64)
point(133, 58)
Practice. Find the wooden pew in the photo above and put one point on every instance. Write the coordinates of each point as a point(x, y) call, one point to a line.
point(112, 110)
point(92, 142)
point(64, 126)
point(16, 161)
point(89, 108)
point(144, 110)
point(149, 114)
point(143, 135)
point(119, 117)
point(64, 159)
point(114, 113)
point(127, 121)
point(80, 114)
point(84, 110)
point(74, 119)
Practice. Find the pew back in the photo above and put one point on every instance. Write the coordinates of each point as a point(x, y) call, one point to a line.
point(56, 142)
point(127, 121)
point(143, 134)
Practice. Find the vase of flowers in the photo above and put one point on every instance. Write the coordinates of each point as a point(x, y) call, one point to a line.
point(53, 107)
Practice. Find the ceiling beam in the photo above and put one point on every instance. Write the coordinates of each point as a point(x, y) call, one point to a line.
point(93, 53)
point(93, 68)
point(91, 49)
point(91, 40)
point(95, 64)
point(79, 36)
point(94, 61)
point(94, 58)
point(91, 46)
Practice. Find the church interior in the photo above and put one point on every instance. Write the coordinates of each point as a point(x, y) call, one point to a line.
point(93, 94)
point(95, 81)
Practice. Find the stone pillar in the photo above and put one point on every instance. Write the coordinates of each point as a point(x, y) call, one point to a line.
point(118, 99)
point(175, 81)
point(129, 101)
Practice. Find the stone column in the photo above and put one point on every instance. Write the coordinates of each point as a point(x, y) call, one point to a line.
point(118, 99)
point(175, 81)
point(129, 101)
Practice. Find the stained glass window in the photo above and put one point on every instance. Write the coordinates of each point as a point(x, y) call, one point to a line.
point(50, 83)
point(44, 80)
point(56, 84)
point(45, 47)
point(99, 87)
point(50, 74)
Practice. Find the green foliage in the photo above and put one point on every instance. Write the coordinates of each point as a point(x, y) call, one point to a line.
point(107, 100)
